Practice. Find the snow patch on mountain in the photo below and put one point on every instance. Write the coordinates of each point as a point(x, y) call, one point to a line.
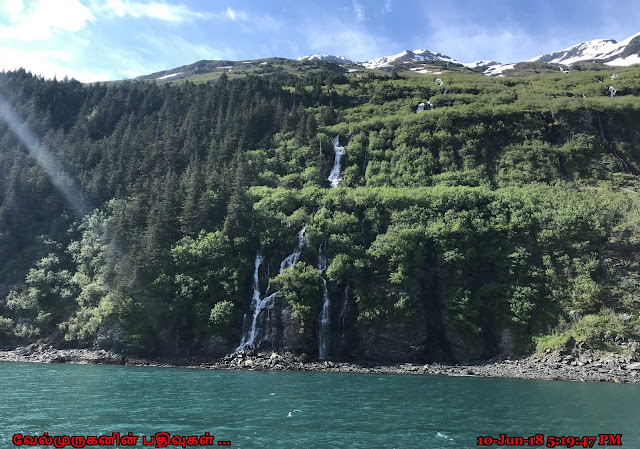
point(481, 63)
point(497, 70)
point(629, 60)
point(407, 56)
point(602, 50)
point(171, 75)
point(420, 70)
point(330, 58)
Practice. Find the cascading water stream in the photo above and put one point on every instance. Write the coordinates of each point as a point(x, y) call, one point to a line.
point(262, 307)
point(343, 317)
point(334, 176)
point(424, 106)
point(256, 303)
point(292, 259)
point(323, 332)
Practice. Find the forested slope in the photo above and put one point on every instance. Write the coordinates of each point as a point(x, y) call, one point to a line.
point(504, 218)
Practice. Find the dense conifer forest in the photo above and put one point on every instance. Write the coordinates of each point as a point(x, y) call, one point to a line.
point(505, 219)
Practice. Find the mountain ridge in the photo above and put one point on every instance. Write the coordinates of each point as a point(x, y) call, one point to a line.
point(607, 51)
point(598, 51)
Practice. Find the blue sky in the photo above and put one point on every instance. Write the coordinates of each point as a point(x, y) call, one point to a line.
point(114, 39)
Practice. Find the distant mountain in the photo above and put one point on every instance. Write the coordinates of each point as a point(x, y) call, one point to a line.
point(606, 51)
point(208, 70)
point(330, 58)
point(591, 54)
point(420, 55)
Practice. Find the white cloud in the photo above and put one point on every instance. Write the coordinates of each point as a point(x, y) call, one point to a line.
point(358, 11)
point(182, 52)
point(235, 15)
point(161, 10)
point(612, 26)
point(44, 18)
point(151, 9)
point(387, 7)
point(12, 9)
point(354, 43)
point(504, 36)
point(267, 23)
point(48, 63)
point(466, 41)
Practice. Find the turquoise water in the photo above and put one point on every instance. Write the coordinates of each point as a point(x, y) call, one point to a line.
point(251, 409)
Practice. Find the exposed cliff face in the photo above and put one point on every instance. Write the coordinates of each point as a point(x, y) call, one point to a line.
point(423, 338)
point(292, 339)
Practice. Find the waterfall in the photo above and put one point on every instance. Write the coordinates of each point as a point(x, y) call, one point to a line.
point(322, 259)
point(343, 318)
point(256, 304)
point(344, 313)
point(263, 320)
point(427, 105)
point(265, 304)
point(323, 332)
point(292, 259)
point(334, 176)
point(612, 91)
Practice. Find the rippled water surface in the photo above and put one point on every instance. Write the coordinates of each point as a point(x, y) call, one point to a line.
point(307, 410)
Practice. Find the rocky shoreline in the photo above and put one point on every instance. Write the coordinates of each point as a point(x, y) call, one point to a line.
point(586, 366)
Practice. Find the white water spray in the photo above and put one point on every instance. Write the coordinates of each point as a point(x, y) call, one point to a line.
point(292, 259)
point(425, 106)
point(334, 176)
point(263, 308)
point(323, 332)
point(343, 317)
point(250, 337)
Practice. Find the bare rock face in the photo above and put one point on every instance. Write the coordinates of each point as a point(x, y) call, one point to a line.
point(291, 336)
point(393, 343)
point(507, 342)
point(110, 338)
point(465, 348)
point(217, 346)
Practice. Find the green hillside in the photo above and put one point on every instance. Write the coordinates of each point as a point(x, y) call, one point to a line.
point(503, 220)
point(275, 68)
